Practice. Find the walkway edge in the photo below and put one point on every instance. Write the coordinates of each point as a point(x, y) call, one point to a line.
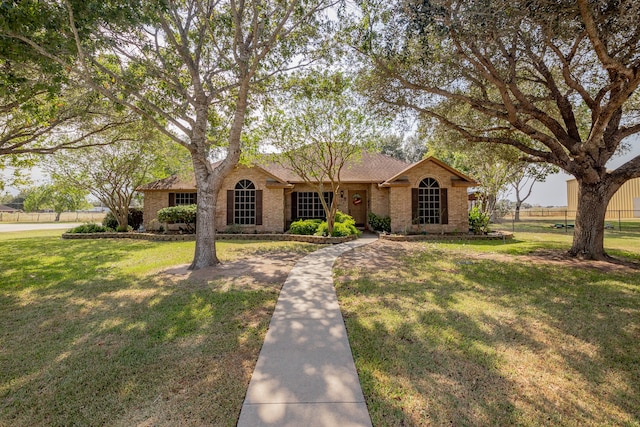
point(305, 374)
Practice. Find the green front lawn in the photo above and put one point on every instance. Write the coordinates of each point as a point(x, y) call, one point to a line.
point(488, 333)
point(92, 335)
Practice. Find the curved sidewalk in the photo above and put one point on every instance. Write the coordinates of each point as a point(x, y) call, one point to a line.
point(305, 375)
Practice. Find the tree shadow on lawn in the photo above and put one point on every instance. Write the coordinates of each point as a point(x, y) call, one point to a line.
point(88, 348)
point(39, 266)
point(594, 316)
point(414, 378)
point(484, 342)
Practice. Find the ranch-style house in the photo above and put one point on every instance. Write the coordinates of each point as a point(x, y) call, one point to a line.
point(426, 196)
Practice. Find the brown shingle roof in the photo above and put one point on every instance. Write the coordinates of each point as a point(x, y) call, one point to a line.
point(370, 167)
point(5, 208)
point(172, 183)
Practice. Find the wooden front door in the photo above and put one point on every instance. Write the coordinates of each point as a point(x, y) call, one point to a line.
point(358, 206)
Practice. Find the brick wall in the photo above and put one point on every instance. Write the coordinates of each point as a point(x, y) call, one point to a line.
point(153, 202)
point(400, 202)
point(272, 201)
point(379, 200)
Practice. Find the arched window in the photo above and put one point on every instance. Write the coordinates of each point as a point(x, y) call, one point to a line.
point(429, 201)
point(244, 212)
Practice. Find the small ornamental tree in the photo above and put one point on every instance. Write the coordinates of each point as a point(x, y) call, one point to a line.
point(112, 172)
point(319, 129)
point(57, 196)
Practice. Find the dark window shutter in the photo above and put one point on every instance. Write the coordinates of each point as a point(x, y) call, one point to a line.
point(294, 206)
point(230, 207)
point(414, 204)
point(444, 206)
point(172, 199)
point(258, 207)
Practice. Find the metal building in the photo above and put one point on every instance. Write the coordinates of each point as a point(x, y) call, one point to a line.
point(624, 204)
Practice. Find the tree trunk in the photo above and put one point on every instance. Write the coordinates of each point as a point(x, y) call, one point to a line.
point(209, 180)
point(205, 252)
point(331, 219)
point(588, 236)
point(517, 214)
point(57, 217)
point(122, 216)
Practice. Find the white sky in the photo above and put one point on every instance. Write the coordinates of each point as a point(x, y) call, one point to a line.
point(553, 192)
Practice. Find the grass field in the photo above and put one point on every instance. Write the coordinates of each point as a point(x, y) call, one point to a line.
point(91, 335)
point(533, 235)
point(452, 333)
point(488, 333)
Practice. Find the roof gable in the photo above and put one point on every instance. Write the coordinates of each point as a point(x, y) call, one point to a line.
point(464, 180)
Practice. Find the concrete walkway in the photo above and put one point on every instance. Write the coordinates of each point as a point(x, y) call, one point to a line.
point(305, 375)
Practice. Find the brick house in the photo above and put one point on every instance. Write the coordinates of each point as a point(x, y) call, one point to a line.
point(426, 196)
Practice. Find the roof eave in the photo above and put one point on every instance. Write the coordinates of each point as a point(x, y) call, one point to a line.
point(438, 162)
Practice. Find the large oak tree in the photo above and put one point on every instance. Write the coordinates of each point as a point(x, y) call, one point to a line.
point(42, 107)
point(189, 67)
point(532, 68)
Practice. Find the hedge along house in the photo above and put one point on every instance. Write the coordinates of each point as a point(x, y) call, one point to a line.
point(427, 196)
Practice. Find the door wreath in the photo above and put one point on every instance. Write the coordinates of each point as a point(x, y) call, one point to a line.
point(357, 199)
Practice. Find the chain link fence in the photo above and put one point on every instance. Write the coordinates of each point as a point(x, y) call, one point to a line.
point(612, 214)
point(563, 219)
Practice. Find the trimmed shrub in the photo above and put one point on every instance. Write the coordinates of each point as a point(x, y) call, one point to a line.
point(343, 218)
point(185, 214)
point(344, 225)
point(305, 227)
point(340, 229)
point(89, 228)
point(379, 223)
point(134, 219)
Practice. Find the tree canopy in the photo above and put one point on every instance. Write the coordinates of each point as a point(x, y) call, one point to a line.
point(317, 127)
point(43, 105)
point(57, 196)
point(532, 69)
point(188, 67)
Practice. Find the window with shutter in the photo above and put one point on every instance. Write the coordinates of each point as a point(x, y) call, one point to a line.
point(429, 202)
point(244, 203)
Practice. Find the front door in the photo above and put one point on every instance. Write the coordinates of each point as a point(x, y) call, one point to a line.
point(358, 206)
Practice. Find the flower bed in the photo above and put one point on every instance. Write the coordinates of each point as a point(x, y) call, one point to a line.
point(221, 236)
point(498, 235)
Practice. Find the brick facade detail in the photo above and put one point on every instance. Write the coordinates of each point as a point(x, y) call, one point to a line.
point(390, 198)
